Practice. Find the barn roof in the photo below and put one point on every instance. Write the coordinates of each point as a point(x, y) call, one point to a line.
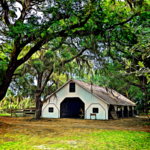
point(109, 96)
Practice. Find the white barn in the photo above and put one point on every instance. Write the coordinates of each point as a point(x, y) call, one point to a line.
point(74, 95)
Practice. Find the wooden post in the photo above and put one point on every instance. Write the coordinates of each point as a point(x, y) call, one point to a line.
point(128, 109)
point(108, 106)
point(10, 108)
point(133, 111)
point(115, 109)
point(122, 111)
point(24, 115)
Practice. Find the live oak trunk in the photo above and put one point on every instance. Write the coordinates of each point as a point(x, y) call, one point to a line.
point(13, 64)
point(146, 106)
point(39, 105)
point(7, 80)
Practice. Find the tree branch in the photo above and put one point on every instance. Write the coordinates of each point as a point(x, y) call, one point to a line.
point(6, 11)
point(31, 52)
point(122, 23)
point(66, 61)
point(47, 78)
point(52, 36)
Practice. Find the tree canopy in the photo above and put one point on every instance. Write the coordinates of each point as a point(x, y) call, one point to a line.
point(114, 34)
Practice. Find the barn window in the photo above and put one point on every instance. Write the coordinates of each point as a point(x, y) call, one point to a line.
point(72, 87)
point(95, 110)
point(51, 109)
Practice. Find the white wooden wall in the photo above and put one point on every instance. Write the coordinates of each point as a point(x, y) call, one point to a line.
point(89, 100)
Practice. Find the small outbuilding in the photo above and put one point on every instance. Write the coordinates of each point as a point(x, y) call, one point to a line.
point(76, 99)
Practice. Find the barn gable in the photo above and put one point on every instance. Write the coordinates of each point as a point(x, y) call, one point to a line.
point(81, 97)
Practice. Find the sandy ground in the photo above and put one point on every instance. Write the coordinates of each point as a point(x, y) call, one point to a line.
point(134, 124)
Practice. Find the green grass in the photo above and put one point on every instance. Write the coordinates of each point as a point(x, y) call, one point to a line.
point(93, 140)
point(3, 114)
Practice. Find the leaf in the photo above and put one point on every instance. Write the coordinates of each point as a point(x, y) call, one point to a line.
point(141, 64)
point(49, 54)
point(42, 35)
point(85, 25)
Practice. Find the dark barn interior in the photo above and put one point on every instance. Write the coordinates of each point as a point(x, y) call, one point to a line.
point(70, 107)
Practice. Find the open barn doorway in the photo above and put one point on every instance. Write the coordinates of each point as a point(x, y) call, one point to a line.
point(70, 108)
point(125, 111)
point(111, 108)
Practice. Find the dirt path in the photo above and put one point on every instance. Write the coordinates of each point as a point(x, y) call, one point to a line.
point(89, 127)
point(131, 124)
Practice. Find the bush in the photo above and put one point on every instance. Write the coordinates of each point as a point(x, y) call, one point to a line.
point(143, 114)
point(148, 124)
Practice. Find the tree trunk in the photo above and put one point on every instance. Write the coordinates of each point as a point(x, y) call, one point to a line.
point(39, 105)
point(5, 84)
point(12, 66)
point(8, 77)
point(10, 109)
point(146, 107)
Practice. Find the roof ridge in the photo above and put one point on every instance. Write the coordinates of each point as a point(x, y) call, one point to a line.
point(101, 89)
point(96, 85)
point(89, 83)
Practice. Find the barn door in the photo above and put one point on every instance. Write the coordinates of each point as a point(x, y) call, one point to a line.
point(70, 107)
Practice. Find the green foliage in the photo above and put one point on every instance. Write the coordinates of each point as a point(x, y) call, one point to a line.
point(147, 122)
point(141, 64)
point(113, 32)
point(12, 13)
point(66, 55)
point(38, 65)
point(111, 78)
point(49, 54)
point(144, 114)
point(135, 93)
point(3, 68)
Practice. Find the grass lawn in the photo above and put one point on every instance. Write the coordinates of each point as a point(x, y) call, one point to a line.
point(18, 115)
point(6, 114)
point(29, 138)
point(3, 114)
